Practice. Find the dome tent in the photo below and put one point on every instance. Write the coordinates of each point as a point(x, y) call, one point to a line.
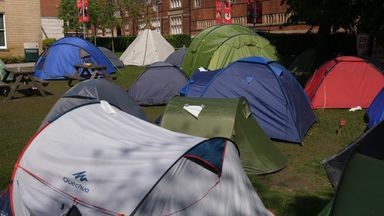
point(344, 82)
point(148, 47)
point(80, 161)
point(157, 84)
point(62, 56)
point(217, 46)
point(276, 98)
point(375, 112)
point(92, 91)
point(112, 57)
point(176, 58)
point(230, 118)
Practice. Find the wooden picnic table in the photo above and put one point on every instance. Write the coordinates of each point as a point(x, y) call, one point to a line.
point(88, 71)
point(22, 79)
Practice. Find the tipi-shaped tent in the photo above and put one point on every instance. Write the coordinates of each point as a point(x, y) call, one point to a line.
point(98, 160)
point(344, 82)
point(94, 91)
point(230, 118)
point(276, 98)
point(157, 84)
point(148, 47)
point(375, 112)
point(62, 56)
point(218, 46)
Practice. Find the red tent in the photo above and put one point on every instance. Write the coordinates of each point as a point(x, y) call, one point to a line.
point(344, 82)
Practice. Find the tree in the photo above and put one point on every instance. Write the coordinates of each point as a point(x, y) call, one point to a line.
point(371, 17)
point(329, 15)
point(129, 9)
point(68, 13)
point(102, 15)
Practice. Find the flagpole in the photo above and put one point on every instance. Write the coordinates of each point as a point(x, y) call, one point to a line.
point(83, 10)
point(222, 11)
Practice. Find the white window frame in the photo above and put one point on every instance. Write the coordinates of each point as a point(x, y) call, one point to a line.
point(5, 32)
point(197, 3)
point(176, 28)
point(156, 23)
point(175, 4)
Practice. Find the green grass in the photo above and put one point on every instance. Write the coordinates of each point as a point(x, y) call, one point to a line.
point(302, 188)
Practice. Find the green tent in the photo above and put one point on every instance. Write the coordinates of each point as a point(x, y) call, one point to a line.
point(219, 45)
point(360, 191)
point(230, 118)
point(2, 72)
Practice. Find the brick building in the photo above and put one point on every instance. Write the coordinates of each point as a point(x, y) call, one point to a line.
point(19, 24)
point(192, 16)
point(51, 26)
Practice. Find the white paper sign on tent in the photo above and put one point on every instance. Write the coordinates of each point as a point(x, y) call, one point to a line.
point(194, 109)
point(107, 107)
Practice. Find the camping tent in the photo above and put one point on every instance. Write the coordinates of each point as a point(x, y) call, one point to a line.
point(228, 118)
point(62, 56)
point(360, 191)
point(93, 91)
point(277, 100)
point(219, 45)
point(370, 144)
point(148, 47)
point(112, 57)
point(375, 112)
point(344, 82)
point(176, 58)
point(158, 83)
point(102, 161)
point(357, 173)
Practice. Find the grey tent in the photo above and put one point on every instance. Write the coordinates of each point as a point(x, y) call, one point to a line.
point(112, 57)
point(159, 82)
point(176, 58)
point(93, 91)
point(369, 144)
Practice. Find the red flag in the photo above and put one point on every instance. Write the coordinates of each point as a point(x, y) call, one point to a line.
point(79, 6)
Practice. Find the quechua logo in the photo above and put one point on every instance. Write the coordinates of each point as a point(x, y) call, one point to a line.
point(81, 176)
point(79, 182)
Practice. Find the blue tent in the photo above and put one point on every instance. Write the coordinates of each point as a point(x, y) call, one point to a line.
point(277, 100)
point(375, 111)
point(62, 56)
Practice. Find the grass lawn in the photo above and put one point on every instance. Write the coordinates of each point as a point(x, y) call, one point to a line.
point(302, 188)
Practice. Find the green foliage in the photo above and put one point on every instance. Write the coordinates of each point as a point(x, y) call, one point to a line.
point(371, 17)
point(330, 15)
point(47, 42)
point(68, 13)
point(179, 40)
point(8, 59)
point(102, 14)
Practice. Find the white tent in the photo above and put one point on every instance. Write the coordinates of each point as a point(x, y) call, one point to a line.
point(148, 47)
point(102, 161)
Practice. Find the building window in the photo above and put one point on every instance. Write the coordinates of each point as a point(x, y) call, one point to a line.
point(3, 39)
point(126, 27)
point(176, 25)
point(197, 3)
point(156, 24)
point(175, 3)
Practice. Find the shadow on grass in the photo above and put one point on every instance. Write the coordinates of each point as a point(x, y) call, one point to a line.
point(308, 204)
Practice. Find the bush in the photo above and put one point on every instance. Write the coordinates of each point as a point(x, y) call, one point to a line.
point(47, 42)
point(179, 40)
point(8, 59)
